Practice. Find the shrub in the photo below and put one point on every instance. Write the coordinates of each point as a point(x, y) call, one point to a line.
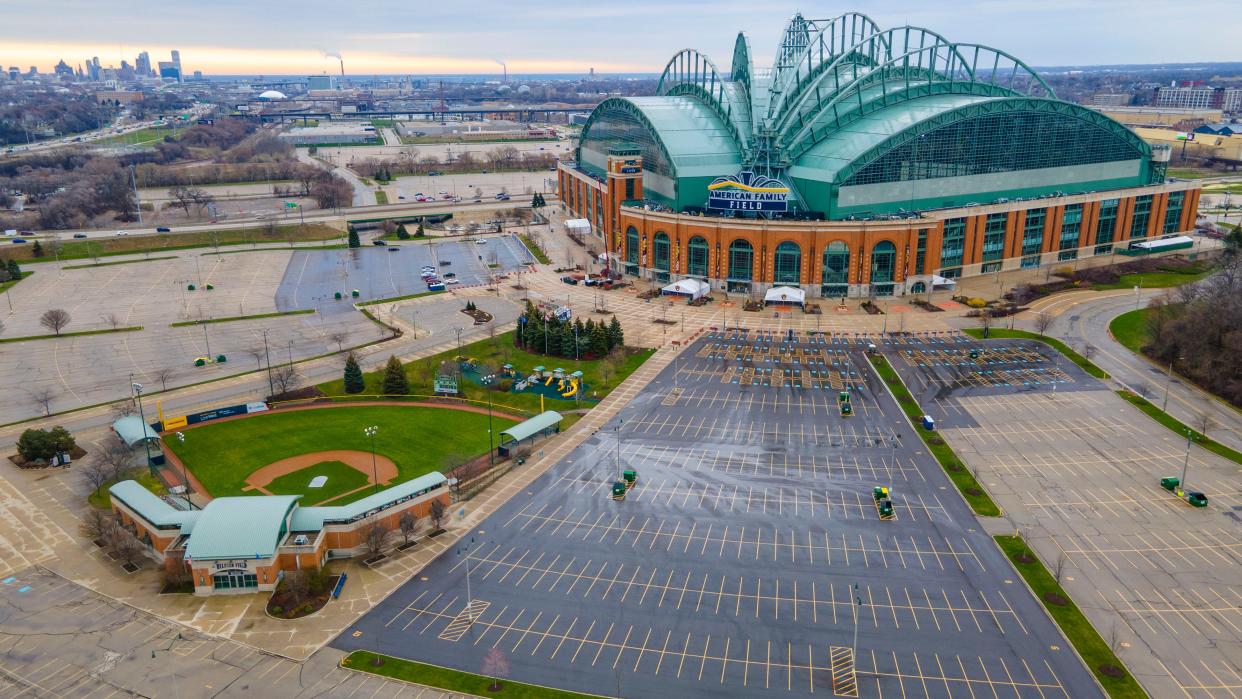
point(44, 444)
point(976, 302)
point(277, 609)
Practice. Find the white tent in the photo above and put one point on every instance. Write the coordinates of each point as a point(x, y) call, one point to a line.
point(687, 287)
point(785, 294)
point(579, 225)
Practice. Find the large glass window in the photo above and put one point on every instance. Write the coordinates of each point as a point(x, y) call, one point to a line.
point(1106, 226)
point(994, 237)
point(954, 244)
point(234, 580)
point(1071, 227)
point(994, 143)
point(883, 263)
point(661, 248)
point(741, 260)
point(920, 254)
point(1142, 216)
point(1173, 215)
point(631, 245)
point(697, 259)
point(787, 264)
point(836, 274)
point(616, 125)
point(1033, 231)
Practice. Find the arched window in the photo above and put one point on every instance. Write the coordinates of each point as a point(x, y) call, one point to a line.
point(883, 264)
point(631, 245)
point(660, 252)
point(787, 263)
point(836, 275)
point(697, 259)
point(918, 288)
point(741, 261)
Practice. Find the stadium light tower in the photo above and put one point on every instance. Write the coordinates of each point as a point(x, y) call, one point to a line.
point(370, 432)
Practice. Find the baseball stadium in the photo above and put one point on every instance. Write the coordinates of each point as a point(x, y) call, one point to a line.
point(864, 162)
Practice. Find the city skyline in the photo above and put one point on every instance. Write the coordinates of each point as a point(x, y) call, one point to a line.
point(246, 40)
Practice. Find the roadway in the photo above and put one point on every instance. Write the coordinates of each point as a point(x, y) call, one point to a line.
point(1083, 318)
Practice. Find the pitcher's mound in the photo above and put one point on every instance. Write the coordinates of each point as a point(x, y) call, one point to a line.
point(361, 461)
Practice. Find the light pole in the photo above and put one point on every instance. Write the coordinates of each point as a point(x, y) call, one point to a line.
point(370, 432)
point(271, 388)
point(1185, 462)
point(206, 341)
point(857, 609)
point(136, 393)
point(185, 476)
point(1168, 379)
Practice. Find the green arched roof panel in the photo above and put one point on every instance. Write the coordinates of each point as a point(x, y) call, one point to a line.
point(689, 133)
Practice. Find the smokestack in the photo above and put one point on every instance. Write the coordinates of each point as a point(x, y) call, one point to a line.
point(504, 69)
point(342, 66)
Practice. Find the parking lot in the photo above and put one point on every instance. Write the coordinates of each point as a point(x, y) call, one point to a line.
point(746, 555)
point(314, 277)
point(1077, 470)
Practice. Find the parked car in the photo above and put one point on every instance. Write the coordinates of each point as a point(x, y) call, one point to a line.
point(394, 248)
point(122, 232)
point(79, 235)
point(569, 280)
point(502, 196)
point(378, 242)
point(163, 229)
point(451, 281)
point(450, 275)
point(456, 200)
point(590, 281)
point(18, 241)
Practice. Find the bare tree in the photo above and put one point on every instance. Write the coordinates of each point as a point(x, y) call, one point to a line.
point(1205, 420)
point(285, 378)
point(339, 337)
point(985, 320)
point(95, 472)
point(54, 319)
point(43, 397)
point(437, 515)
point(297, 584)
point(96, 524)
point(1088, 350)
point(257, 354)
point(408, 522)
point(124, 408)
point(1042, 321)
point(1, 327)
point(124, 545)
point(1059, 568)
point(163, 375)
point(1142, 389)
point(110, 320)
point(495, 666)
point(375, 539)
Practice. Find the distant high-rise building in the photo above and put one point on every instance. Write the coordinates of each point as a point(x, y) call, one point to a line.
point(170, 70)
point(142, 66)
point(176, 58)
point(126, 72)
point(63, 69)
point(321, 82)
point(198, 75)
point(92, 68)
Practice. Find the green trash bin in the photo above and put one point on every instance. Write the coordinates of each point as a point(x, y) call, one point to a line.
point(191, 287)
point(1170, 483)
point(220, 359)
point(210, 287)
point(618, 490)
point(843, 397)
point(200, 362)
point(879, 492)
point(355, 293)
point(629, 476)
point(338, 296)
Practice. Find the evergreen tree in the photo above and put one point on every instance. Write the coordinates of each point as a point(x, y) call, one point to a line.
point(402, 233)
point(354, 382)
point(567, 341)
point(353, 237)
point(616, 336)
point(15, 272)
point(599, 342)
point(420, 232)
point(37, 250)
point(395, 381)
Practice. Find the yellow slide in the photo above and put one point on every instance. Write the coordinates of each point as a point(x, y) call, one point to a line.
point(549, 381)
point(573, 388)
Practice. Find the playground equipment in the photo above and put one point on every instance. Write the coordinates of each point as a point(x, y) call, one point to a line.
point(573, 388)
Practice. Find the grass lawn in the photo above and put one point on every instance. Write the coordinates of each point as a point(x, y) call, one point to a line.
point(535, 250)
point(418, 440)
point(1130, 329)
point(13, 282)
point(83, 333)
point(100, 498)
point(381, 197)
point(1182, 173)
point(1004, 333)
point(392, 299)
point(452, 680)
point(342, 478)
point(1094, 651)
point(498, 352)
point(1154, 412)
point(1156, 280)
point(229, 319)
point(128, 245)
point(120, 262)
point(153, 134)
point(974, 493)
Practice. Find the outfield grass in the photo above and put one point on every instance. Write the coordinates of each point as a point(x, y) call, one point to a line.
point(452, 680)
point(417, 439)
point(961, 476)
point(342, 478)
point(1130, 329)
point(498, 352)
point(1094, 651)
point(1180, 428)
point(229, 319)
point(129, 245)
point(1004, 333)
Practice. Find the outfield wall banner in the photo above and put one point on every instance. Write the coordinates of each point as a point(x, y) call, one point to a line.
point(175, 423)
point(229, 411)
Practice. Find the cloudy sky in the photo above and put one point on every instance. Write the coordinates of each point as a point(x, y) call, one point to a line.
point(419, 36)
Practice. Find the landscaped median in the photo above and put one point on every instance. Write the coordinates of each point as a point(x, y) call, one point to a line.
point(958, 473)
point(1003, 334)
point(120, 262)
point(1180, 427)
point(1099, 658)
point(394, 299)
point(229, 319)
point(82, 333)
point(451, 680)
point(535, 249)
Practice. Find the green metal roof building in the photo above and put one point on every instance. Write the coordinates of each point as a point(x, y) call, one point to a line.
point(859, 121)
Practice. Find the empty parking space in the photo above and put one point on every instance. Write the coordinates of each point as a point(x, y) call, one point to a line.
point(744, 555)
